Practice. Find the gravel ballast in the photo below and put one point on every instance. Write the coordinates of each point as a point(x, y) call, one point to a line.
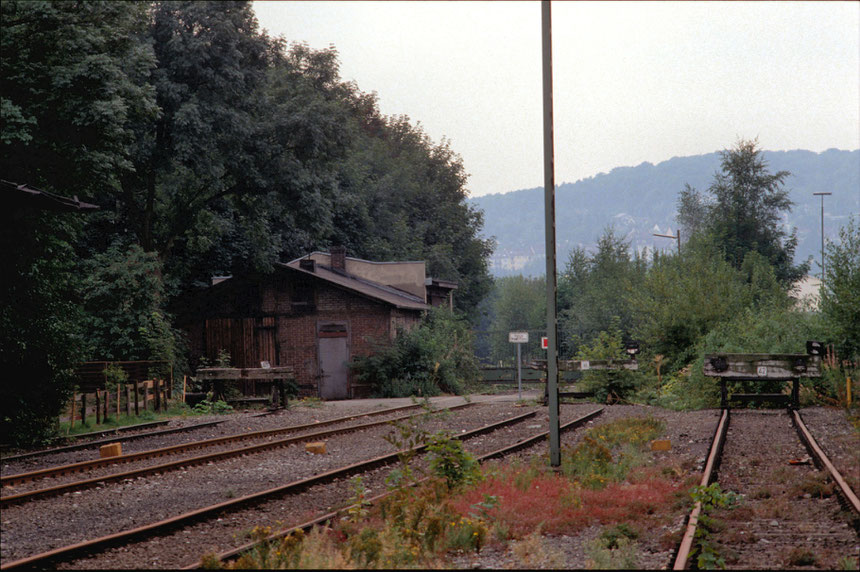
point(35, 526)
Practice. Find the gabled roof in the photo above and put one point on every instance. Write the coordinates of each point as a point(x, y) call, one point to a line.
point(367, 288)
point(25, 195)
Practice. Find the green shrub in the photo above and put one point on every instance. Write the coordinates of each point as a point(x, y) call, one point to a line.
point(448, 460)
point(207, 407)
point(435, 357)
point(608, 385)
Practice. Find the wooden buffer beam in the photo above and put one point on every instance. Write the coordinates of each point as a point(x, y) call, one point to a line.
point(218, 375)
point(762, 367)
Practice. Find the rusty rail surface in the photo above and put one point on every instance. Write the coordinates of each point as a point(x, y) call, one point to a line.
point(88, 444)
point(707, 476)
point(190, 461)
point(174, 449)
point(821, 461)
point(234, 553)
point(86, 547)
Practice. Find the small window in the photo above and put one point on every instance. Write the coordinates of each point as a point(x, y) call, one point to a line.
point(302, 296)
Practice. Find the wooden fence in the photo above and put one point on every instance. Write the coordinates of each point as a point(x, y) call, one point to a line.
point(129, 398)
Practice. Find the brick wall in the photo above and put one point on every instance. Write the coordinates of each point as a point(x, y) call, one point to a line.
point(369, 323)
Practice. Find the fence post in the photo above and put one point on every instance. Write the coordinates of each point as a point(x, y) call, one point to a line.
point(83, 409)
point(73, 413)
point(146, 396)
point(107, 408)
point(118, 400)
point(98, 407)
point(136, 398)
point(156, 389)
point(127, 401)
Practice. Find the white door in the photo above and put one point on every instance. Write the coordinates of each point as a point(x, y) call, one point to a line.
point(333, 359)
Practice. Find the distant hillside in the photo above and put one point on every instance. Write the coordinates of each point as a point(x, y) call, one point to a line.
point(642, 200)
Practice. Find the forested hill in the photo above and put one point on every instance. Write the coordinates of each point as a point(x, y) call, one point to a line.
point(642, 200)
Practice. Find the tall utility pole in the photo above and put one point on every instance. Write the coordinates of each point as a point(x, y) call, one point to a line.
point(549, 226)
point(822, 195)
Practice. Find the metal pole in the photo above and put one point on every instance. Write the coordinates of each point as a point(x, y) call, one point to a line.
point(549, 226)
point(519, 373)
point(822, 195)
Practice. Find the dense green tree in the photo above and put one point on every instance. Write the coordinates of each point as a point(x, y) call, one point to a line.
point(684, 297)
point(123, 304)
point(840, 296)
point(200, 156)
point(40, 320)
point(72, 86)
point(594, 291)
point(73, 82)
point(211, 149)
point(520, 306)
point(692, 211)
point(413, 206)
point(745, 211)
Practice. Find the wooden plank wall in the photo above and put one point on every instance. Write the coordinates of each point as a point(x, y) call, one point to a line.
point(249, 341)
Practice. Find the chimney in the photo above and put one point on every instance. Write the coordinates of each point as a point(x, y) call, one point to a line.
point(307, 264)
point(338, 258)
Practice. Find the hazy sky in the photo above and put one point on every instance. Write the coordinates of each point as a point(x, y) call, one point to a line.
point(633, 81)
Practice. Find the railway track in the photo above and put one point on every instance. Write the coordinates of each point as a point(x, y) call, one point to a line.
point(68, 468)
point(121, 434)
point(10, 481)
point(250, 503)
point(234, 553)
point(796, 509)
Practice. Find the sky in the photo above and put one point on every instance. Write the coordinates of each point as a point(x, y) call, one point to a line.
point(632, 81)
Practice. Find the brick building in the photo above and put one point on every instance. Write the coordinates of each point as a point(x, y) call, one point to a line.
point(314, 314)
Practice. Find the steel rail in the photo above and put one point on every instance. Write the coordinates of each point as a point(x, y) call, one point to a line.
point(707, 476)
point(73, 551)
point(81, 466)
point(821, 461)
point(191, 461)
point(820, 458)
point(115, 430)
point(518, 446)
point(88, 444)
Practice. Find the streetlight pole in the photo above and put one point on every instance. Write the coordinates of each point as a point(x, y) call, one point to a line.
point(822, 195)
point(677, 237)
point(549, 229)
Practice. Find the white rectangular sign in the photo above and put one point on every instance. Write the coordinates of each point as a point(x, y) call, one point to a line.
point(518, 337)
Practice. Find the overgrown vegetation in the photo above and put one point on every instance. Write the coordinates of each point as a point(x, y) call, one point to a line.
point(462, 508)
point(729, 289)
point(705, 550)
point(435, 357)
point(210, 149)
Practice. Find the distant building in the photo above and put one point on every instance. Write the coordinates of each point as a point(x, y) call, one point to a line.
point(315, 314)
point(807, 293)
